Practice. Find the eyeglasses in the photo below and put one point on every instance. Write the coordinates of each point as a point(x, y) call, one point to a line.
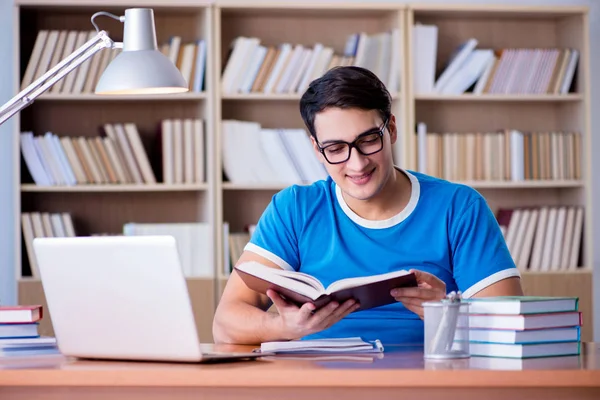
point(368, 143)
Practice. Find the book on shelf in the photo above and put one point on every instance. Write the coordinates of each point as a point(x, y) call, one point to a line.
point(569, 334)
point(52, 46)
point(21, 314)
point(299, 288)
point(522, 304)
point(193, 241)
point(525, 321)
point(289, 68)
point(543, 238)
point(490, 71)
point(43, 224)
point(528, 350)
point(253, 154)
point(120, 157)
point(504, 155)
point(182, 148)
point(333, 345)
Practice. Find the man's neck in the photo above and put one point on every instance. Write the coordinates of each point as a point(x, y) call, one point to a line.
point(391, 200)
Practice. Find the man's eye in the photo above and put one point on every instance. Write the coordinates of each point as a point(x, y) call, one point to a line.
point(335, 149)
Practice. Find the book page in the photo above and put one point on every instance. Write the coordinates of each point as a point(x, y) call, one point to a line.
point(296, 281)
point(353, 282)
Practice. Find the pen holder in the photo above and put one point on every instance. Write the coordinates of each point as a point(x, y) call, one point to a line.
point(446, 328)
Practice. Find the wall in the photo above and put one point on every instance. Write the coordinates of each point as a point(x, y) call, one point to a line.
point(7, 197)
point(8, 200)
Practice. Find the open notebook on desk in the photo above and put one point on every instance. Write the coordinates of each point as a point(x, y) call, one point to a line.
point(334, 345)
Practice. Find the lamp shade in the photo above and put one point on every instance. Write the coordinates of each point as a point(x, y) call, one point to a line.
point(140, 68)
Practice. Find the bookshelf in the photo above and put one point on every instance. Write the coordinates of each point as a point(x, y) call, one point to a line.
point(104, 208)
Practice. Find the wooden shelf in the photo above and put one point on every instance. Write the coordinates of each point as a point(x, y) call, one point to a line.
point(524, 184)
point(159, 187)
point(95, 97)
point(580, 270)
point(272, 96)
point(254, 186)
point(501, 97)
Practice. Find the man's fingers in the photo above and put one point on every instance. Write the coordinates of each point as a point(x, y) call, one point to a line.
point(279, 302)
point(325, 311)
point(307, 310)
point(418, 293)
point(430, 279)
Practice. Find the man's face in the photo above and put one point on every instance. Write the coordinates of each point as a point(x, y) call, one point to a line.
point(360, 177)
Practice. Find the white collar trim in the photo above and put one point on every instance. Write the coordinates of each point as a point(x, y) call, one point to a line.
point(386, 223)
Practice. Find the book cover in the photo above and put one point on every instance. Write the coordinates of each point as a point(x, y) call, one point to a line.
point(522, 305)
point(299, 288)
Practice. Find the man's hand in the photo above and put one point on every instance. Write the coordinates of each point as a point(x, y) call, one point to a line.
point(296, 322)
point(430, 288)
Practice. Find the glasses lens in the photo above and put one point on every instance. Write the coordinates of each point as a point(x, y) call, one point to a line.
point(336, 153)
point(370, 144)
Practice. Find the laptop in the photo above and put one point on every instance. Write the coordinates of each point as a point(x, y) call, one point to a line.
point(121, 298)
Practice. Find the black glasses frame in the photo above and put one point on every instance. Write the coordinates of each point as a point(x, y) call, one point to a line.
point(354, 145)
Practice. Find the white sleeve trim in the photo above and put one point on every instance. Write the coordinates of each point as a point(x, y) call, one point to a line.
point(485, 282)
point(269, 256)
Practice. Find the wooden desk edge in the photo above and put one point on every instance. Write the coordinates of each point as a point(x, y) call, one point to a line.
point(233, 378)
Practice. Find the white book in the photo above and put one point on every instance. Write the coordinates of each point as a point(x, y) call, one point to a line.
point(258, 57)
point(292, 65)
point(33, 161)
point(83, 69)
point(558, 243)
point(174, 47)
point(575, 246)
point(69, 80)
point(36, 142)
point(198, 85)
point(199, 152)
point(188, 150)
point(422, 146)
point(64, 162)
point(527, 246)
point(178, 152)
point(424, 44)
point(34, 58)
point(168, 151)
point(284, 54)
point(468, 73)
point(57, 225)
point(334, 345)
point(128, 153)
point(456, 61)
point(51, 162)
point(241, 66)
point(485, 76)
point(517, 156)
point(111, 133)
point(46, 58)
point(517, 244)
point(187, 61)
point(549, 240)
point(28, 236)
point(310, 67)
point(68, 48)
point(57, 160)
point(90, 159)
point(58, 49)
point(393, 79)
point(567, 239)
point(68, 224)
point(512, 230)
point(292, 85)
point(277, 157)
point(111, 150)
point(570, 72)
point(135, 141)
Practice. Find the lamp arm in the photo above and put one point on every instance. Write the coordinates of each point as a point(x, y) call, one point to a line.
point(55, 74)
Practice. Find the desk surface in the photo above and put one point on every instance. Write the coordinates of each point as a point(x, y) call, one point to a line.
point(380, 370)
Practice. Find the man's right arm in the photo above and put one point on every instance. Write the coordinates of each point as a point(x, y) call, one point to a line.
point(242, 317)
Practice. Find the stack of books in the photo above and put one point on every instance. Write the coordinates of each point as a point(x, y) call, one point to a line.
point(524, 327)
point(19, 335)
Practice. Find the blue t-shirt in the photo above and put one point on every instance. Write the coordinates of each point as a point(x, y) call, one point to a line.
point(446, 229)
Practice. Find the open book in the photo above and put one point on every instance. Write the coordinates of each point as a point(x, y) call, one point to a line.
point(299, 288)
point(334, 345)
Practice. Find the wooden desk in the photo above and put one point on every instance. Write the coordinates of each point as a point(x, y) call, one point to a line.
point(400, 372)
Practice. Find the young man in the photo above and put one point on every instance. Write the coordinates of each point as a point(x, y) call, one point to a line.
point(368, 217)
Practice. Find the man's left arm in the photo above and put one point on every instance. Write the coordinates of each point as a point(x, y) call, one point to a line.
point(482, 265)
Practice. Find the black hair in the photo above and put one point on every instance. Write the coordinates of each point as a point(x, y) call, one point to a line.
point(344, 87)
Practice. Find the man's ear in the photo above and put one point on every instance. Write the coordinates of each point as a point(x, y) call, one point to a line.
point(316, 149)
point(393, 129)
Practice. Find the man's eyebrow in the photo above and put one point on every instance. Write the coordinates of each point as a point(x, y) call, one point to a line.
point(371, 130)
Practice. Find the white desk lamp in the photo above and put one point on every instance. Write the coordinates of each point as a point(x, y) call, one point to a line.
point(139, 69)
